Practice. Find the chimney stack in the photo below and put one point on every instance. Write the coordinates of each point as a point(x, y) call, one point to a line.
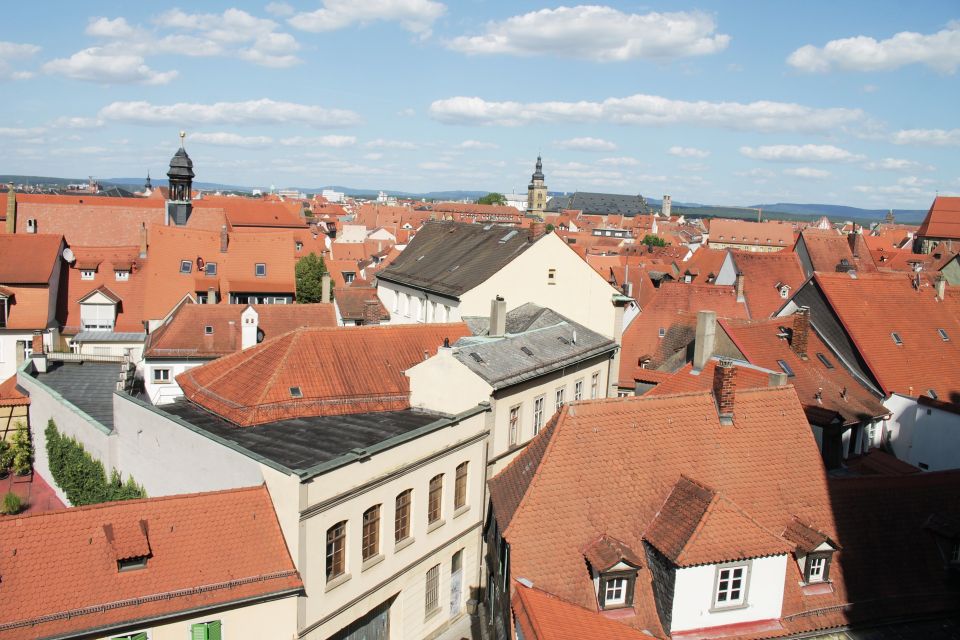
point(852, 241)
point(250, 324)
point(224, 239)
point(738, 283)
point(705, 339)
point(801, 331)
point(38, 353)
point(724, 387)
point(143, 240)
point(941, 285)
point(11, 209)
point(537, 231)
point(325, 289)
point(498, 317)
point(371, 311)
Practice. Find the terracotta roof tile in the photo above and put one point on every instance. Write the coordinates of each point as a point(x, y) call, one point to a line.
point(543, 616)
point(103, 261)
point(351, 301)
point(28, 258)
point(826, 249)
point(763, 276)
point(605, 552)
point(10, 396)
point(943, 219)
point(770, 234)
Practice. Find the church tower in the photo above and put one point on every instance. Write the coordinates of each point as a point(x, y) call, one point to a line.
point(179, 201)
point(537, 192)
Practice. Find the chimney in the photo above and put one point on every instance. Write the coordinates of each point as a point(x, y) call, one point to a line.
point(371, 311)
point(705, 339)
point(212, 295)
point(498, 317)
point(724, 386)
point(776, 379)
point(325, 289)
point(537, 231)
point(801, 331)
point(224, 239)
point(852, 241)
point(38, 352)
point(941, 285)
point(738, 283)
point(250, 323)
point(11, 209)
point(143, 240)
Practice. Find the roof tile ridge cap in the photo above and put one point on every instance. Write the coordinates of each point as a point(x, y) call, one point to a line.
point(554, 434)
point(294, 337)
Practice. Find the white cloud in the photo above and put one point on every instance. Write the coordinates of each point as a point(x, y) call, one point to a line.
point(263, 111)
point(222, 139)
point(598, 33)
point(807, 172)
point(280, 9)
point(10, 51)
point(406, 113)
point(78, 151)
point(699, 167)
point(476, 144)
point(800, 153)
point(434, 166)
point(67, 122)
point(21, 132)
point(586, 144)
point(643, 109)
point(390, 144)
point(940, 51)
point(319, 141)
point(113, 29)
point(758, 172)
point(928, 137)
point(416, 16)
point(914, 181)
point(373, 156)
point(104, 67)
point(896, 164)
point(624, 161)
point(688, 152)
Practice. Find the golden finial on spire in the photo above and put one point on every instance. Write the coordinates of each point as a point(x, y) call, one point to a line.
point(183, 134)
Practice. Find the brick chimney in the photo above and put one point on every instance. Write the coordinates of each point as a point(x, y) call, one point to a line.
point(224, 239)
point(941, 285)
point(801, 331)
point(11, 209)
point(325, 288)
point(738, 284)
point(371, 311)
point(724, 387)
point(498, 317)
point(852, 241)
point(143, 240)
point(705, 338)
point(537, 231)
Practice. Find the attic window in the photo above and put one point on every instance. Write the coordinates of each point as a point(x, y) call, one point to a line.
point(129, 564)
point(786, 368)
point(186, 266)
point(661, 332)
point(122, 275)
point(299, 246)
point(943, 335)
point(87, 274)
point(210, 268)
point(817, 567)
point(208, 330)
point(932, 393)
point(476, 356)
point(822, 358)
point(260, 269)
point(295, 392)
point(551, 276)
point(526, 350)
point(896, 338)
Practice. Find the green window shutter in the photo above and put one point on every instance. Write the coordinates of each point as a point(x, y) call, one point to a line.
point(139, 636)
point(198, 632)
point(213, 630)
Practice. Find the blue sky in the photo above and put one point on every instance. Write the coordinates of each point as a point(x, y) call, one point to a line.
point(717, 102)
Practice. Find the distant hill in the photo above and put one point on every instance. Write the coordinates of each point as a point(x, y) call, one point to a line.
point(834, 211)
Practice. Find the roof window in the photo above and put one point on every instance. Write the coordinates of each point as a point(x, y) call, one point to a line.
point(129, 564)
point(661, 332)
point(786, 368)
point(932, 393)
point(260, 269)
point(208, 330)
point(526, 350)
point(896, 338)
point(822, 358)
point(210, 268)
point(295, 392)
point(186, 266)
point(943, 335)
point(476, 357)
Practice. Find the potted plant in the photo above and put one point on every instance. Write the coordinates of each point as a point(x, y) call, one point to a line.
point(6, 458)
point(12, 504)
point(22, 451)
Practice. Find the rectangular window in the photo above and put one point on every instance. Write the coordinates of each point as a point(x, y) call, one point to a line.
point(3, 312)
point(460, 486)
point(348, 276)
point(206, 631)
point(551, 276)
point(955, 553)
point(87, 274)
point(371, 532)
point(260, 269)
point(433, 590)
point(514, 425)
point(122, 276)
point(943, 335)
point(815, 572)
point(537, 415)
point(401, 518)
point(731, 586)
point(161, 375)
point(435, 499)
point(594, 386)
point(823, 359)
point(336, 541)
point(186, 266)
point(615, 591)
point(559, 398)
point(210, 268)
point(142, 635)
point(578, 390)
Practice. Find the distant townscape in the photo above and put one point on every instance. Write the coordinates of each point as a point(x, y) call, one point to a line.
point(281, 415)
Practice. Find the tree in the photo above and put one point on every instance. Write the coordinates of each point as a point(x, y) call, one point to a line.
point(653, 241)
point(310, 270)
point(492, 198)
point(22, 450)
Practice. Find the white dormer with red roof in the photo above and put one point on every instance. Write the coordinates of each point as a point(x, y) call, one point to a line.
point(98, 310)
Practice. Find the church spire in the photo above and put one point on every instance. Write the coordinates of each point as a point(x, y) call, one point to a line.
point(179, 205)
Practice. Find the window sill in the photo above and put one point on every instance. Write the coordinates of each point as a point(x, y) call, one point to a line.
point(816, 588)
point(336, 582)
point(462, 510)
point(371, 562)
point(436, 525)
point(431, 613)
point(403, 544)
point(732, 607)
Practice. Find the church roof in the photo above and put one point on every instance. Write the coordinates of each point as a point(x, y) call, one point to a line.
point(181, 166)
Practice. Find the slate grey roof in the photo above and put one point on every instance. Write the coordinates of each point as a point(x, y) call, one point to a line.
point(524, 318)
point(600, 203)
point(109, 336)
point(450, 258)
point(89, 386)
point(544, 342)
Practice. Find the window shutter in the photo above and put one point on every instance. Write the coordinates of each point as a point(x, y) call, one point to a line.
point(213, 630)
point(198, 632)
point(139, 636)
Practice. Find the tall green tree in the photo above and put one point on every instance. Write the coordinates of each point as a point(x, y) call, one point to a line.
point(653, 241)
point(492, 198)
point(310, 270)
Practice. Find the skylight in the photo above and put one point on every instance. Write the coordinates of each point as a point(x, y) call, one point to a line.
point(476, 356)
point(526, 350)
point(208, 330)
point(943, 335)
point(662, 332)
point(932, 393)
point(295, 392)
point(896, 338)
point(786, 368)
point(186, 266)
point(509, 235)
point(822, 358)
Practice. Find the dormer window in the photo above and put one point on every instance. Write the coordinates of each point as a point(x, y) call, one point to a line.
point(210, 268)
point(661, 332)
point(130, 564)
point(731, 586)
point(784, 292)
point(817, 567)
point(814, 551)
point(87, 274)
point(260, 269)
point(299, 246)
point(186, 266)
point(122, 275)
point(614, 567)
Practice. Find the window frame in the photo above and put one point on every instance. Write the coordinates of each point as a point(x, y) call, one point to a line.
point(186, 266)
point(121, 275)
point(431, 591)
point(460, 485)
point(88, 274)
point(401, 515)
point(257, 269)
point(559, 398)
point(730, 604)
point(578, 390)
point(538, 403)
point(160, 379)
point(594, 385)
point(370, 536)
point(513, 425)
point(210, 268)
point(336, 556)
point(435, 499)
point(606, 578)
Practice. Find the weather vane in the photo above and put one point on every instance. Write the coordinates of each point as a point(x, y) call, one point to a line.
point(183, 134)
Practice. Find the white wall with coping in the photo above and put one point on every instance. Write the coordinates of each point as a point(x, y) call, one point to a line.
point(921, 434)
point(693, 595)
point(166, 392)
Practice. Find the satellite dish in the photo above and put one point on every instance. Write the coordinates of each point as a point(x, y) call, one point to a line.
point(68, 255)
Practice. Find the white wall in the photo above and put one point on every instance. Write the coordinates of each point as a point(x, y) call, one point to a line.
point(728, 272)
point(135, 349)
point(443, 383)
point(8, 350)
point(693, 595)
point(923, 435)
point(163, 393)
point(404, 302)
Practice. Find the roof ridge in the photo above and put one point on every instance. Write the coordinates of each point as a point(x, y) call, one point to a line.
point(535, 476)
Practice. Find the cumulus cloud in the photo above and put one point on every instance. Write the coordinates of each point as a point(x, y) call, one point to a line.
point(688, 152)
point(280, 9)
point(476, 144)
point(940, 51)
point(807, 172)
point(800, 153)
point(624, 161)
point(896, 164)
point(758, 172)
point(381, 143)
point(11, 52)
point(586, 144)
point(416, 16)
point(105, 67)
point(319, 141)
point(598, 33)
point(643, 109)
point(928, 137)
point(223, 139)
point(263, 111)
point(21, 132)
point(68, 122)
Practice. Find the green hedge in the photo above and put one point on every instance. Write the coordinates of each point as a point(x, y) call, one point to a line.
point(83, 478)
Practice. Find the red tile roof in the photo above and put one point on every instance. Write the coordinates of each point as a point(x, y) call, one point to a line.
point(29, 306)
point(767, 234)
point(878, 462)
point(685, 380)
point(254, 212)
point(104, 261)
point(543, 616)
point(763, 275)
point(943, 219)
point(253, 386)
point(351, 302)
point(29, 258)
point(705, 263)
point(826, 249)
point(10, 396)
point(205, 550)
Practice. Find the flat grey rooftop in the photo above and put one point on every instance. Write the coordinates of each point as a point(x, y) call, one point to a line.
point(87, 385)
point(302, 443)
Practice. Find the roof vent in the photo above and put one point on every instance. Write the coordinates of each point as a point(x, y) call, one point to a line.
point(508, 237)
point(526, 350)
point(476, 357)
